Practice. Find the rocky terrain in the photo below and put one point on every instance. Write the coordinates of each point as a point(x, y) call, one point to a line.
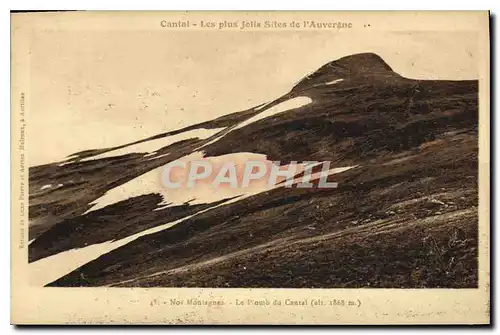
point(404, 216)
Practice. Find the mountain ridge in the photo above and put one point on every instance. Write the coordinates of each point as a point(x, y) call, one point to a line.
point(415, 145)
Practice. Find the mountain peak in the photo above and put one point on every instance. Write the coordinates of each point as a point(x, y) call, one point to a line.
point(360, 63)
point(356, 65)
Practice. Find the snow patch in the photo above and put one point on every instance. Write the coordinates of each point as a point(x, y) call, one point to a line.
point(159, 156)
point(284, 106)
point(279, 108)
point(334, 81)
point(262, 106)
point(149, 147)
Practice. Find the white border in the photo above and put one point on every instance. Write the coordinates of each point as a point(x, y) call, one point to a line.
point(186, 5)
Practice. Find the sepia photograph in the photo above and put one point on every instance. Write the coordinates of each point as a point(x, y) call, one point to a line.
point(326, 157)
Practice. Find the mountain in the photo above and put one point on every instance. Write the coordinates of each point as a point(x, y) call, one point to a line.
point(403, 215)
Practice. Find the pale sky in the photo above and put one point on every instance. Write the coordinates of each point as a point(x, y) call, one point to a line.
point(97, 89)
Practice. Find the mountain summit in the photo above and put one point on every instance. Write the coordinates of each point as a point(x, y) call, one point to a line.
point(353, 66)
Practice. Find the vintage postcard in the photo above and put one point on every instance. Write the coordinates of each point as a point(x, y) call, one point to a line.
point(250, 168)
